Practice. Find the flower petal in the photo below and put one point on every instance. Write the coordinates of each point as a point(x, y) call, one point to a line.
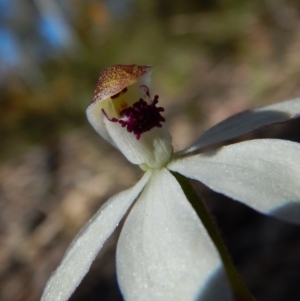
point(164, 252)
point(263, 173)
point(88, 242)
point(246, 122)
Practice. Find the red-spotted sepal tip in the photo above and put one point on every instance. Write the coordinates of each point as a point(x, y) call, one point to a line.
point(116, 78)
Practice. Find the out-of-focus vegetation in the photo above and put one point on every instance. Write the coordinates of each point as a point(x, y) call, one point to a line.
point(60, 47)
point(212, 58)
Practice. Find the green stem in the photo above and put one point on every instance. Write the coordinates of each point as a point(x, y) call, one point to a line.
point(240, 290)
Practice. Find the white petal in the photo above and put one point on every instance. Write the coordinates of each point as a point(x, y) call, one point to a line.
point(164, 253)
point(246, 122)
point(153, 149)
point(264, 174)
point(87, 244)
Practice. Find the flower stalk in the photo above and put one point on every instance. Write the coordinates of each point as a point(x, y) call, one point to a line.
point(241, 292)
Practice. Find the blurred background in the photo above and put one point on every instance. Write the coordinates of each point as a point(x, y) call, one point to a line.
point(211, 59)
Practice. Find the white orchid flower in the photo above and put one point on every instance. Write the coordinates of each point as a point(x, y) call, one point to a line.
point(164, 253)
